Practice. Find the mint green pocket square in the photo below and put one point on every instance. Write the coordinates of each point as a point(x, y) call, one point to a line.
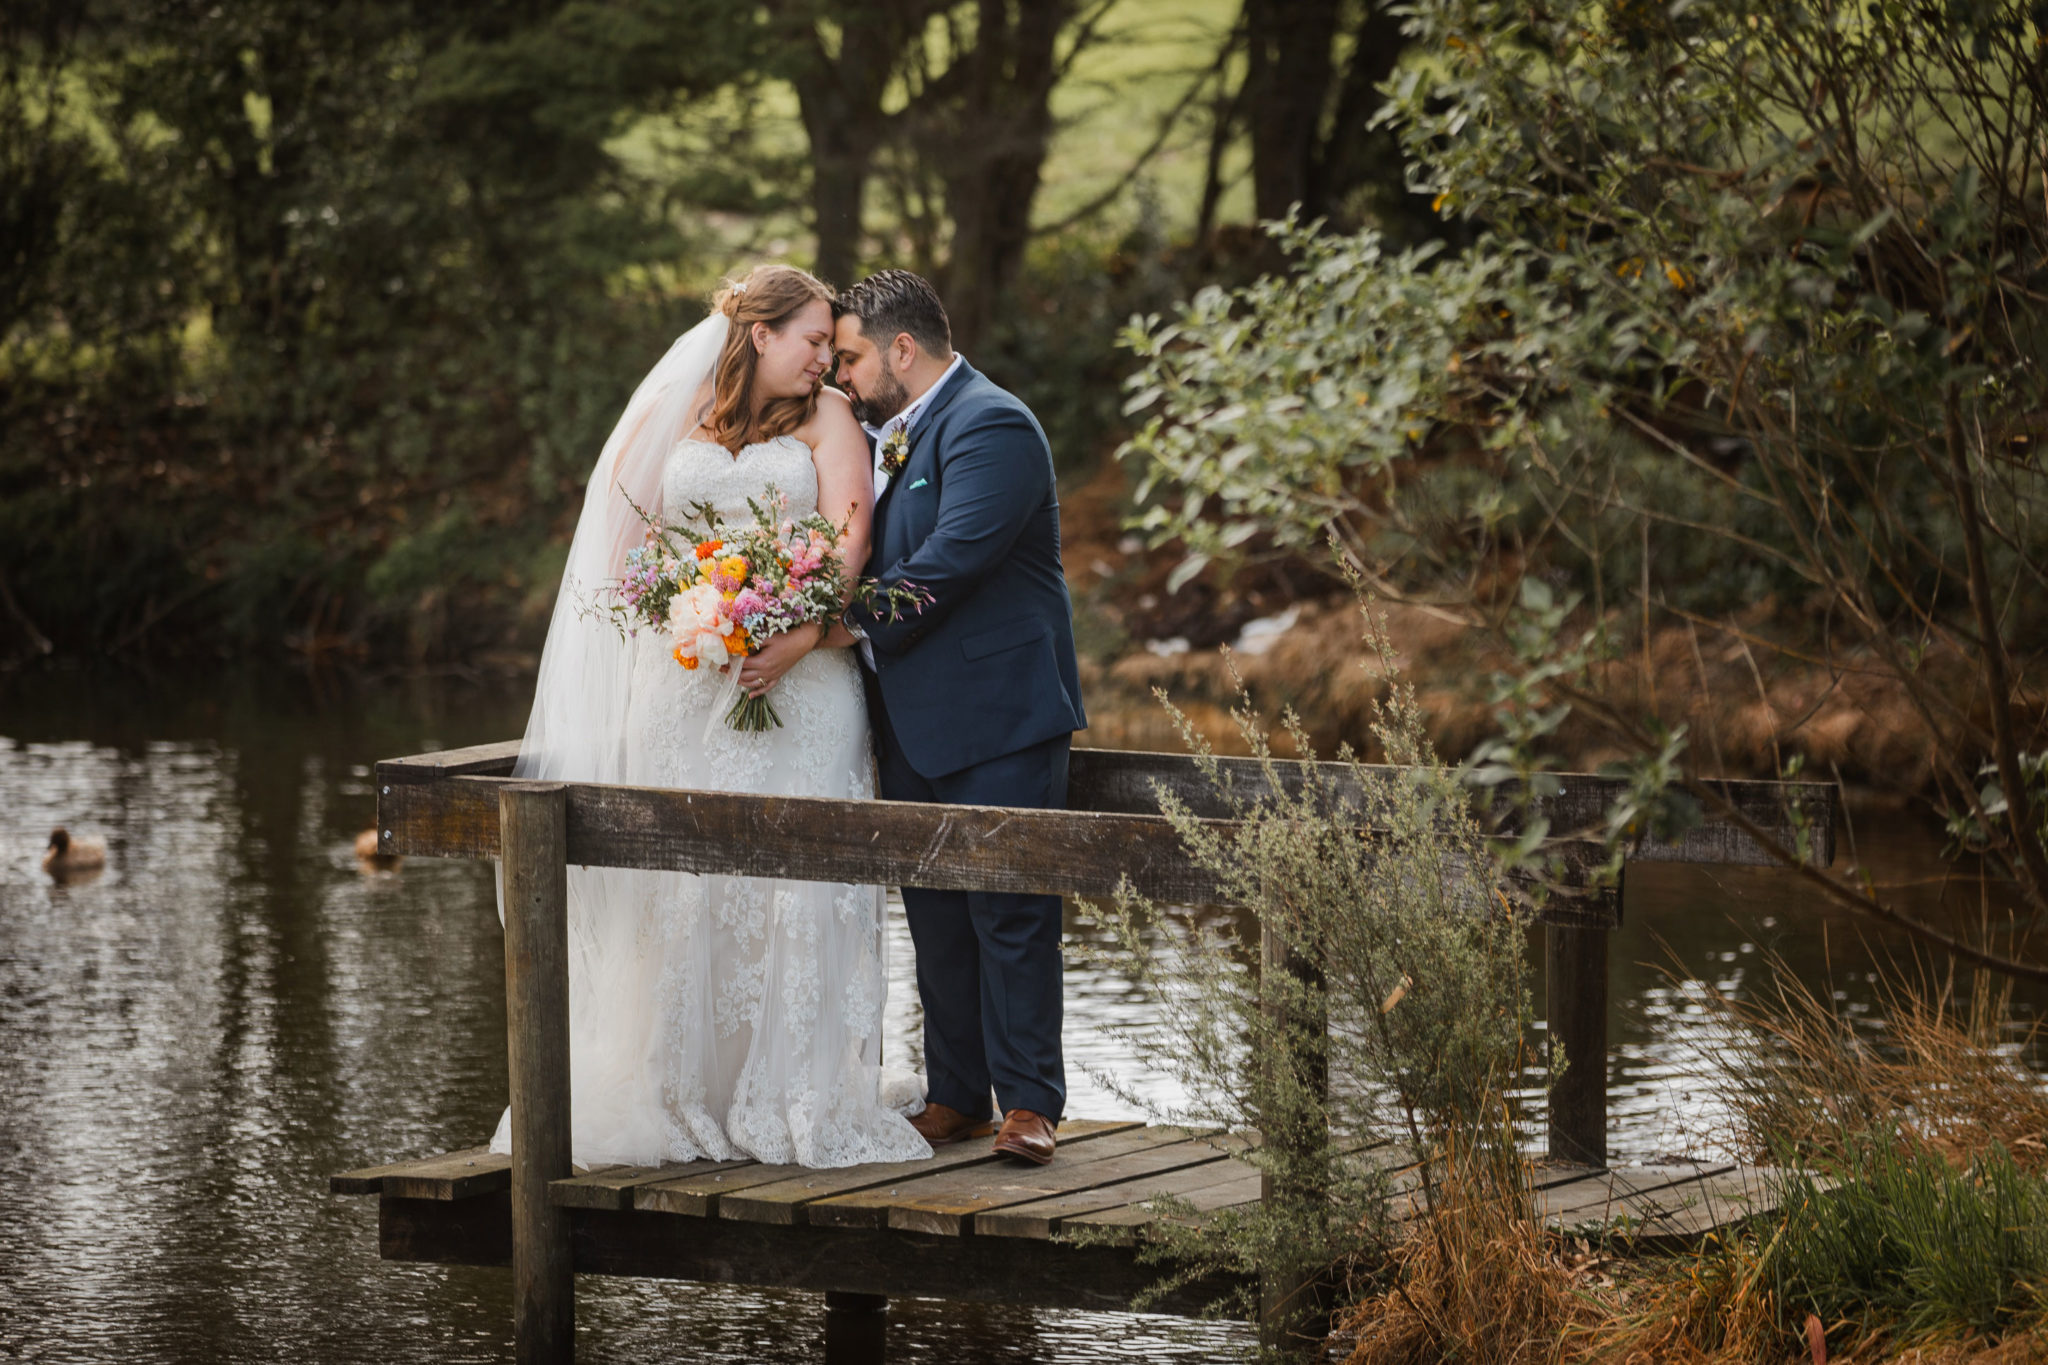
point(919, 484)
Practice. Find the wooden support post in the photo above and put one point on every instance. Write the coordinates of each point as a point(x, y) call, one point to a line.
point(1293, 1306)
point(856, 1328)
point(1575, 972)
point(533, 824)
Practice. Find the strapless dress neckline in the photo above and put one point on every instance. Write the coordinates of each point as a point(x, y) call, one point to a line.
point(749, 447)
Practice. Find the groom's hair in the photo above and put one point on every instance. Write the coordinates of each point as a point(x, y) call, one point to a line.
point(892, 301)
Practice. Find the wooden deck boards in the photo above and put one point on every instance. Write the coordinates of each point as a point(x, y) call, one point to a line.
point(1111, 1176)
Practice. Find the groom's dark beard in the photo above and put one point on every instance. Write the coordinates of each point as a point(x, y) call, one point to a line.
point(888, 399)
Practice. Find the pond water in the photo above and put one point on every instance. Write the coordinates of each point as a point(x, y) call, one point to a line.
point(197, 1038)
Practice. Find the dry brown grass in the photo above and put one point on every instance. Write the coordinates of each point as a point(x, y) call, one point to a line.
point(1941, 1077)
point(1476, 1279)
point(1943, 1074)
point(1481, 1281)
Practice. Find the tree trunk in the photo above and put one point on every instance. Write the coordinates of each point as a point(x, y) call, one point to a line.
point(840, 100)
point(987, 135)
point(1289, 51)
point(1355, 157)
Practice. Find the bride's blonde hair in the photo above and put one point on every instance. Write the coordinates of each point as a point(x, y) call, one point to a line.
point(772, 294)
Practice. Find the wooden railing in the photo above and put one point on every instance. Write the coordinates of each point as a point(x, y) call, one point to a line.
point(464, 804)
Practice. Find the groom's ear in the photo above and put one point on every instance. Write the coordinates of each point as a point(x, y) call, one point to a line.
point(903, 352)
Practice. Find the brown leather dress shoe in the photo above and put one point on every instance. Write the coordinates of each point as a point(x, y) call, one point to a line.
point(1026, 1135)
point(939, 1125)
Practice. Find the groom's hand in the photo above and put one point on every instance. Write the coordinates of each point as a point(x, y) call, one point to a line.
point(778, 654)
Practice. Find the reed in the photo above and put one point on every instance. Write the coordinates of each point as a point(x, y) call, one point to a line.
point(1945, 1073)
point(1478, 1278)
point(1913, 1222)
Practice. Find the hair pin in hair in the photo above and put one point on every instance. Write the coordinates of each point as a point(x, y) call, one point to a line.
point(740, 287)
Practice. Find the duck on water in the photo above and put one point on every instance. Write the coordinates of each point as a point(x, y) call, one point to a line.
point(67, 857)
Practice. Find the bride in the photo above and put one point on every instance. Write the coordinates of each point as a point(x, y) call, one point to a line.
point(720, 1017)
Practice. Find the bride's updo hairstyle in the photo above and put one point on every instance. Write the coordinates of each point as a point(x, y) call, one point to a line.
point(772, 294)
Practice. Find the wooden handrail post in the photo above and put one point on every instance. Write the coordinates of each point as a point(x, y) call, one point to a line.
point(1293, 1305)
point(856, 1328)
point(1575, 982)
point(534, 846)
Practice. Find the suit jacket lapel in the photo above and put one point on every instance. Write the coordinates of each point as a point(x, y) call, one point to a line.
point(927, 420)
point(926, 423)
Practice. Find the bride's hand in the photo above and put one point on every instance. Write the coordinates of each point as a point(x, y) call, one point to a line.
point(765, 667)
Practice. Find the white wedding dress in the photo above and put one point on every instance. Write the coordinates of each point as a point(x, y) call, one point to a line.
point(724, 1017)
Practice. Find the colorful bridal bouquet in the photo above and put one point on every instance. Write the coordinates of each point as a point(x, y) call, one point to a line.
point(722, 590)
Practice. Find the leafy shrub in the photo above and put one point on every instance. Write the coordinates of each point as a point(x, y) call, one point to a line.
point(1753, 309)
point(1389, 1003)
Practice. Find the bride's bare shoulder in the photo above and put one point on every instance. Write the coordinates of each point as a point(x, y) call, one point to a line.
point(833, 418)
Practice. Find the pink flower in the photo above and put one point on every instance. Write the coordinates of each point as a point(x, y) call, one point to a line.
point(748, 603)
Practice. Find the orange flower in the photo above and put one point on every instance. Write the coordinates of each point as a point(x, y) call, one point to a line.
point(709, 548)
point(739, 642)
point(686, 663)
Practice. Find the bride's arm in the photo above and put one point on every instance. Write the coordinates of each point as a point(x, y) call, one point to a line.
point(846, 488)
point(846, 491)
point(846, 477)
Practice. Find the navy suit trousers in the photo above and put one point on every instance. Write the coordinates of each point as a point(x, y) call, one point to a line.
point(988, 963)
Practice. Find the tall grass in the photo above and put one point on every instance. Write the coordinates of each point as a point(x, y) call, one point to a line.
point(1901, 1234)
point(1912, 1222)
point(1945, 1072)
point(1478, 1279)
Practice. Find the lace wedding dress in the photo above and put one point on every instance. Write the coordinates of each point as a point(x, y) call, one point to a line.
point(724, 1017)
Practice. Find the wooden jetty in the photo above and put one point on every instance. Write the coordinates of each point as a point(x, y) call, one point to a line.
point(963, 1224)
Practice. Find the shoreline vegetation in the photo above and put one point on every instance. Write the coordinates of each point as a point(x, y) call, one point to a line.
point(1907, 1149)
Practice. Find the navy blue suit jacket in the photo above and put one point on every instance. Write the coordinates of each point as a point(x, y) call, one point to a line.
point(988, 667)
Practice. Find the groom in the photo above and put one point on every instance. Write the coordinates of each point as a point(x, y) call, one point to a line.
point(975, 700)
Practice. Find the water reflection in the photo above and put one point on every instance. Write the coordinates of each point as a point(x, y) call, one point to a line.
point(232, 1011)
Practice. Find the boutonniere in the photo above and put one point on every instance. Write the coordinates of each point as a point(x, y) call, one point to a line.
point(895, 452)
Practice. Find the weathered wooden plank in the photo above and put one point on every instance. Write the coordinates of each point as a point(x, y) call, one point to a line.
point(697, 1193)
point(954, 1212)
point(1235, 1187)
point(1598, 1200)
point(868, 1207)
point(370, 1179)
point(612, 1187)
point(759, 1192)
point(1127, 781)
point(860, 1261)
point(1041, 1218)
point(865, 842)
point(1126, 1224)
point(465, 1174)
point(785, 1201)
point(814, 839)
point(1673, 1218)
point(1106, 783)
point(534, 819)
point(1575, 969)
point(477, 760)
